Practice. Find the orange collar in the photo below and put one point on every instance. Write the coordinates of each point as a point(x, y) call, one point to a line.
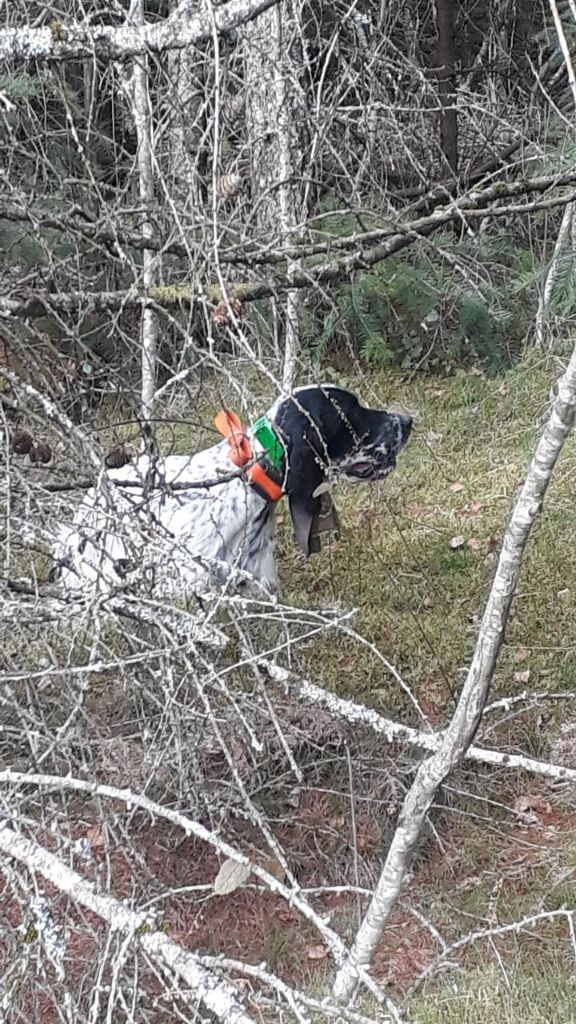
point(228, 424)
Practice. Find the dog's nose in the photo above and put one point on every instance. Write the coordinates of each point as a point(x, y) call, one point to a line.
point(405, 426)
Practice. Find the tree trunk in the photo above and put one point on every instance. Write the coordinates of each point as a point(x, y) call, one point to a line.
point(445, 16)
point(275, 112)
point(566, 232)
point(149, 323)
point(185, 129)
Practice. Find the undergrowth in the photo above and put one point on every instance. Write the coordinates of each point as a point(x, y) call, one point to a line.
point(414, 563)
point(465, 305)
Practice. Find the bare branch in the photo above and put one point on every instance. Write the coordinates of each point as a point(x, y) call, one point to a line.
point(397, 237)
point(149, 327)
point(395, 732)
point(218, 996)
point(71, 40)
point(190, 827)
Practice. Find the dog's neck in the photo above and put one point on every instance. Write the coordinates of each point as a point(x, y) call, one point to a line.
point(258, 451)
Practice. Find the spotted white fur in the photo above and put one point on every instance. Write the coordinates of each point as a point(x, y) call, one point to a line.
point(174, 541)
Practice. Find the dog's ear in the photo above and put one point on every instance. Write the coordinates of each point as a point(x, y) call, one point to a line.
point(304, 480)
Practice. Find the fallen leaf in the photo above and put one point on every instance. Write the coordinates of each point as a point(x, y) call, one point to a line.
point(457, 542)
point(492, 545)
point(428, 602)
point(230, 877)
point(456, 487)
point(564, 595)
point(475, 507)
point(520, 655)
point(317, 952)
point(274, 868)
point(437, 392)
point(473, 544)
point(95, 837)
point(522, 677)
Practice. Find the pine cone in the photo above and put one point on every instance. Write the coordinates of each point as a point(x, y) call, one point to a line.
point(233, 109)
point(117, 457)
point(230, 186)
point(22, 442)
point(221, 315)
point(40, 452)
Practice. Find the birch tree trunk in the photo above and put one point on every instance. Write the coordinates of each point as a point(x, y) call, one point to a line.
point(184, 126)
point(275, 112)
point(149, 322)
point(565, 232)
point(564, 235)
point(466, 719)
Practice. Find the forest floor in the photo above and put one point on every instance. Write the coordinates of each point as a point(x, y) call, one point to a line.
point(414, 560)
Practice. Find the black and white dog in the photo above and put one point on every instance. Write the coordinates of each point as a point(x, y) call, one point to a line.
point(180, 524)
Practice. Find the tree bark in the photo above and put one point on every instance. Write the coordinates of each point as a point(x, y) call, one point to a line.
point(445, 16)
point(275, 112)
point(145, 157)
point(71, 40)
point(465, 721)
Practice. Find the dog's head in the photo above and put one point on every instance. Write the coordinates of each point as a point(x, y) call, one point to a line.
point(327, 433)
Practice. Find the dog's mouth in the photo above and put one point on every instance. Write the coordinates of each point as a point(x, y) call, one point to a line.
point(365, 470)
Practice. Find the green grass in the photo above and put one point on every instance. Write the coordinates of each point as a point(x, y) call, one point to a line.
point(417, 599)
point(510, 996)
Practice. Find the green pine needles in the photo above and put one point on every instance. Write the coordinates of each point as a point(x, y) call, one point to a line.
point(451, 304)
